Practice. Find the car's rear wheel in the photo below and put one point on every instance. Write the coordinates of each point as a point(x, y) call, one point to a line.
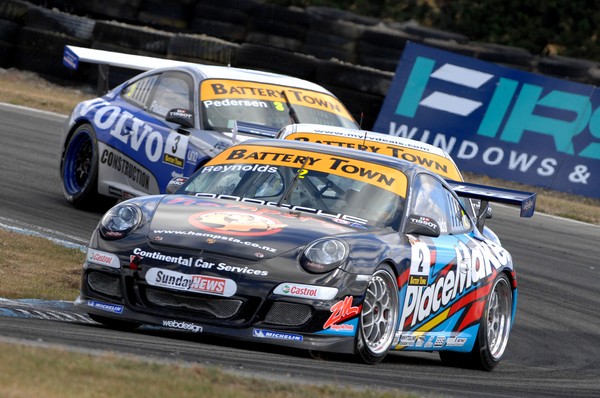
point(494, 330)
point(79, 168)
point(115, 323)
point(378, 316)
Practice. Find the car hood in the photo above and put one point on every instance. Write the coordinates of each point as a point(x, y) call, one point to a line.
point(243, 230)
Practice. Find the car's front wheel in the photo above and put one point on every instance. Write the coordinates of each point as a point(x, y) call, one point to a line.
point(79, 168)
point(494, 330)
point(378, 316)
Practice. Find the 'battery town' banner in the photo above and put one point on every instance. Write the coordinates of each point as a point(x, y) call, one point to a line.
point(497, 121)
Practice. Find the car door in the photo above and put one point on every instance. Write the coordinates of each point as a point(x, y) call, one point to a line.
point(439, 276)
point(144, 151)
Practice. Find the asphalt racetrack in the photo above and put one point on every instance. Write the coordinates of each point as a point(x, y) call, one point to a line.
point(554, 350)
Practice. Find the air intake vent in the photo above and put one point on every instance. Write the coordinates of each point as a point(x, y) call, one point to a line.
point(216, 307)
point(288, 314)
point(105, 284)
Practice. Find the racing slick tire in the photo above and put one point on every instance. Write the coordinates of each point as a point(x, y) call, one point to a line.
point(494, 331)
point(378, 316)
point(115, 323)
point(79, 169)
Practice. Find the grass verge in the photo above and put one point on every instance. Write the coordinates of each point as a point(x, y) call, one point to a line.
point(27, 371)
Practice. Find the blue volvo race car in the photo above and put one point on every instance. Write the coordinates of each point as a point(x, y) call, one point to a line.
point(311, 246)
point(170, 120)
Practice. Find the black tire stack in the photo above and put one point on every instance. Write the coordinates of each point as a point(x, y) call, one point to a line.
point(353, 56)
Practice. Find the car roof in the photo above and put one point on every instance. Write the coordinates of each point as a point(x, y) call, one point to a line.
point(73, 55)
point(228, 72)
point(431, 157)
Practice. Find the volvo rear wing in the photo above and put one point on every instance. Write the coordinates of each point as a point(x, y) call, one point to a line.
point(74, 55)
point(485, 193)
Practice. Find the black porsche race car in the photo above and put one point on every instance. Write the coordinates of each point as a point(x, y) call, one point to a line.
point(310, 246)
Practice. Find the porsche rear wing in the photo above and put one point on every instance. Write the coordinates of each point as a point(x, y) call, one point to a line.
point(485, 193)
point(73, 55)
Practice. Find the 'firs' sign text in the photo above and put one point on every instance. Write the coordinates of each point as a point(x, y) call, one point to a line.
point(498, 121)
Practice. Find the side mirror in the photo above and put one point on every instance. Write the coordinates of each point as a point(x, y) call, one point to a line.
point(174, 184)
point(420, 225)
point(183, 117)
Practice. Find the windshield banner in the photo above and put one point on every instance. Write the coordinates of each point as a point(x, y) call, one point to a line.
point(497, 121)
point(226, 90)
point(434, 162)
point(374, 174)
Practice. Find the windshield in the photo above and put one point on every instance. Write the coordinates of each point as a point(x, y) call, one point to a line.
point(225, 101)
point(303, 187)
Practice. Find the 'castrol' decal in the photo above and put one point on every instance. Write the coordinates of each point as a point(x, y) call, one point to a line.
point(103, 258)
point(191, 283)
point(306, 291)
point(472, 267)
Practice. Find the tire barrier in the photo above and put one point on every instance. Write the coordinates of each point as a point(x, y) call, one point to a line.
point(202, 49)
point(352, 55)
point(256, 56)
point(9, 31)
point(140, 38)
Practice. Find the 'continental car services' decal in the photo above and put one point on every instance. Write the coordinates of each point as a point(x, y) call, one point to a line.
point(191, 283)
point(378, 175)
point(213, 91)
point(428, 306)
point(306, 291)
point(196, 262)
point(415, 154)
point(235, 223)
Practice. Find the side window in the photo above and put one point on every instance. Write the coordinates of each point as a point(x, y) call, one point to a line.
point(433, 200)
point(173, 90)
point(139, 91)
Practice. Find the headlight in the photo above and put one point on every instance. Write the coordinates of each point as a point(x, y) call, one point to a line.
point(120, 221)
point(324, 255)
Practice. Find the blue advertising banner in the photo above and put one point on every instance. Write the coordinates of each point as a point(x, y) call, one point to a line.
point(497, 121)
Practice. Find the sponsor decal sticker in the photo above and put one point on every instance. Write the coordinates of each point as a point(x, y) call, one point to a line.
point(378, 175)
point(103, 258)
point(306, 291)
point(421, 302)
point(182, 325)
point(191, 283)
point(268, 334)
point(341, 311)
point(114, 308)
point(455, 341)
point(222, 92)
point(392, 146)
